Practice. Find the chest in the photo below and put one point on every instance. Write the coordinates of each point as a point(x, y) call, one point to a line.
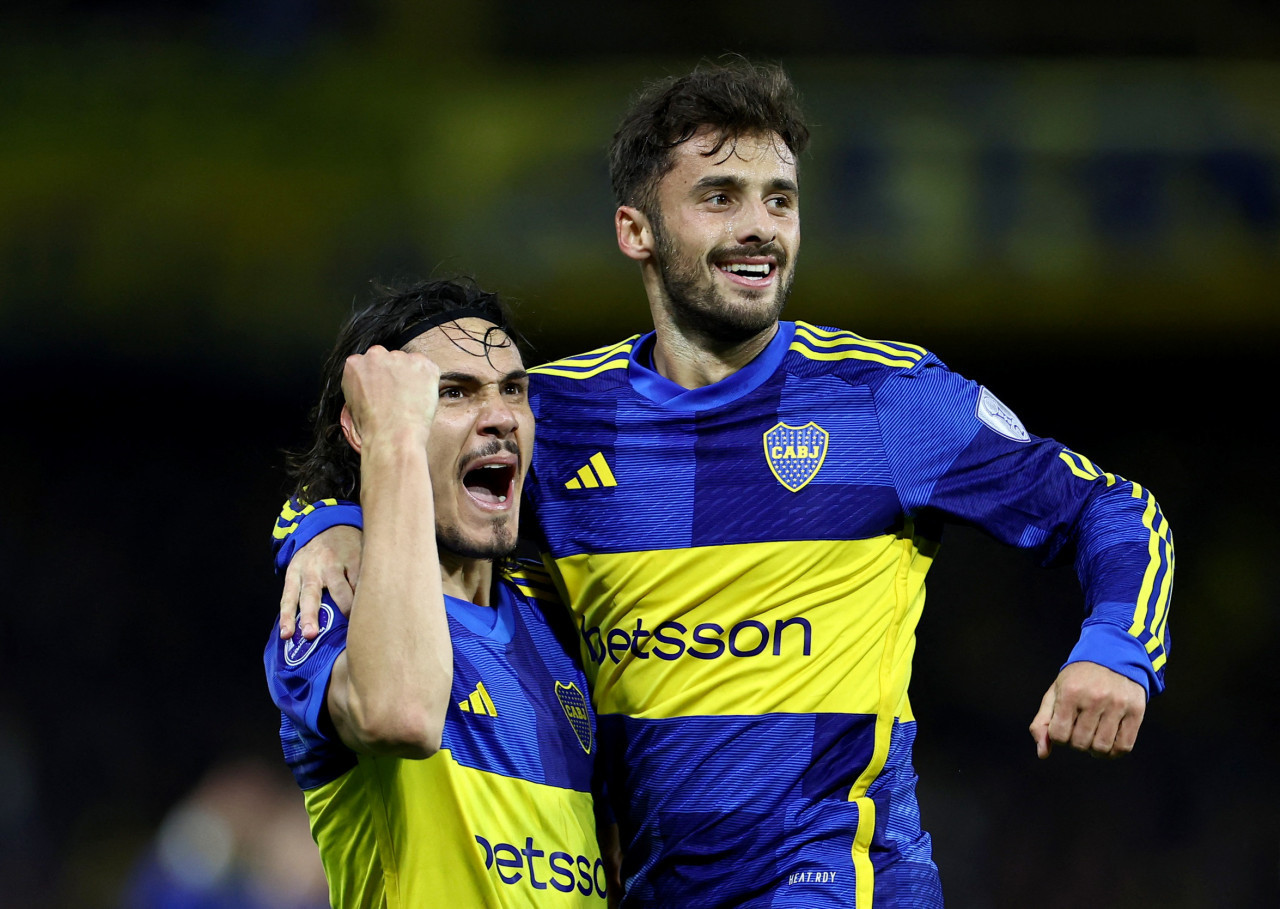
point(520, 708)
point(792, 460)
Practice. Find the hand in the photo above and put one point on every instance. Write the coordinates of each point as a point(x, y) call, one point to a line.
point(385, 391)
point(331, 561)
point(388, 390)
point(1092, 709)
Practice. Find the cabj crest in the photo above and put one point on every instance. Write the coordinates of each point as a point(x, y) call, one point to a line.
point(574, 704)
point(795, 453)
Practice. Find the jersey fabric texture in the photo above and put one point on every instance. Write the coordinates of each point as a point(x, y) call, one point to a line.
point(745, 563)
point(502, 815)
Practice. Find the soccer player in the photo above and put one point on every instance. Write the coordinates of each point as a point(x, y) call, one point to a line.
point(442, 735)
point(741, 512)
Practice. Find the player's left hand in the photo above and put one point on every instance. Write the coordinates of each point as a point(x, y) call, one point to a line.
point(1091, 708)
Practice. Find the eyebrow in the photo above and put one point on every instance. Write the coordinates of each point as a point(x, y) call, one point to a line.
point(473, 379)
point(729, 181)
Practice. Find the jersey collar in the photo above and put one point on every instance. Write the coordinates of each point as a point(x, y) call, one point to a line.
point(492, 622)
point(649, 382)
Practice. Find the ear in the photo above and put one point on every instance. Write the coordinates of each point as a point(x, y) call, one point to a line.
point(349, 430)
point(635, 236)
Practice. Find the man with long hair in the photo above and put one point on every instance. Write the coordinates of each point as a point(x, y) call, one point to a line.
point(441, 736)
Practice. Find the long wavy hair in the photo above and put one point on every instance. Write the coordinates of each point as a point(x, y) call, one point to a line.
point(330, 468)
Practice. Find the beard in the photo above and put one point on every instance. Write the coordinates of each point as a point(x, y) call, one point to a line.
point(696, 302)
point(501, 542)
point(500, 545)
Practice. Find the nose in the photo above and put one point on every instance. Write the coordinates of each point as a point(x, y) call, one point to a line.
point(497, 418)
point(756, 226)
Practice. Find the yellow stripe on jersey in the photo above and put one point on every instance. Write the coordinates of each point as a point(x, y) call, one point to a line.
point(592, 363)
point(1151, 612)
point(864, 873)
point(534, 581)
point(1084, 469)
point(405, 834)
point(818, 344)
point(893, 703)
point(831, 336)
point(753, 628)
point(287, 523)
point(1163, 624)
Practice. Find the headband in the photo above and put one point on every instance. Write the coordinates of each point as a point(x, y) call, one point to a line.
point(430, 322)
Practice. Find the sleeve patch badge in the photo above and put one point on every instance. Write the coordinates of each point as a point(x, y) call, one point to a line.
point(575, 707)
point(993, 412)
point(299, 648)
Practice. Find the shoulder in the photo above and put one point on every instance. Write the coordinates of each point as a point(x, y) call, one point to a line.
point(601, 361)
point(532, 581)
point(822, 349)
point(543, 608)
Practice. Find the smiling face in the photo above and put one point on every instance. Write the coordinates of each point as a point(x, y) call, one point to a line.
point(481, 438)
point(726, 234)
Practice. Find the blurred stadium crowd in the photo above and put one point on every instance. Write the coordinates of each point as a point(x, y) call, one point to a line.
point(1079, 207)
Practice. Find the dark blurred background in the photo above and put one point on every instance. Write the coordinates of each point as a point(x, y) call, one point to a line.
point(1077, 205)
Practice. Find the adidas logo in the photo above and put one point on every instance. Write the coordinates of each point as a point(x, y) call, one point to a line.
point(589, 478)
point(478, 702)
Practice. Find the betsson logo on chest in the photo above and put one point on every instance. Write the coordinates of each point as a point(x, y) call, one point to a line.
point(531, 865)
point(707, 641)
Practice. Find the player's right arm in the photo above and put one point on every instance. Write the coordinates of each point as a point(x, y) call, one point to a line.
point(389, 689)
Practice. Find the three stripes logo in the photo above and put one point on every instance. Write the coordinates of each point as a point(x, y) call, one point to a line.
point(478, 702)
point(593, 475)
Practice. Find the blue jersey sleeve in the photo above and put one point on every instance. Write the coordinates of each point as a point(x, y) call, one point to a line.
point(301, 522)
point(298, 673)
point(961, 453)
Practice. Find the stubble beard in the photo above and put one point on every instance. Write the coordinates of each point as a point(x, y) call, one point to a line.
point(695, 302)
point(502, 542)
point(501, 545)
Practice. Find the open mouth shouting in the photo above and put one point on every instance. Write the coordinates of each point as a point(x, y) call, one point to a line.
point(490, 481)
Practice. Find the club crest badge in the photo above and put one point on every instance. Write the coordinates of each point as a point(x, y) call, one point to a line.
point(298, 648)
point(795, 453)
point(574, 704)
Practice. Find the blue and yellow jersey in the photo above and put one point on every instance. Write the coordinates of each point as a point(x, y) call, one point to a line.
point(502, 815)
point(746, 563)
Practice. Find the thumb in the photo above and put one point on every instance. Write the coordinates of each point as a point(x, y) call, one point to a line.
point(1040, 723)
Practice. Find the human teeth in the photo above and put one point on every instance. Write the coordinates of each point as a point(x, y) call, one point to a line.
point(502, 498)
point(745, 269)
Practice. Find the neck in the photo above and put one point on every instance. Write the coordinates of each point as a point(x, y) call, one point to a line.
point(467, 579)
point(691, 357)
point(694, 361)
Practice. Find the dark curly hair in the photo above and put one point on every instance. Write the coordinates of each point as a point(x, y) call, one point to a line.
point(330, 468)
point(736, 98)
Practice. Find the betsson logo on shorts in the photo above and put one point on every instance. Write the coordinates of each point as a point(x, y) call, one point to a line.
point(567, 872)
point(708, 641)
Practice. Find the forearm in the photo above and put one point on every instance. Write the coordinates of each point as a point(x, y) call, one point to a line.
point(1125, 563)
point(399, 657)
